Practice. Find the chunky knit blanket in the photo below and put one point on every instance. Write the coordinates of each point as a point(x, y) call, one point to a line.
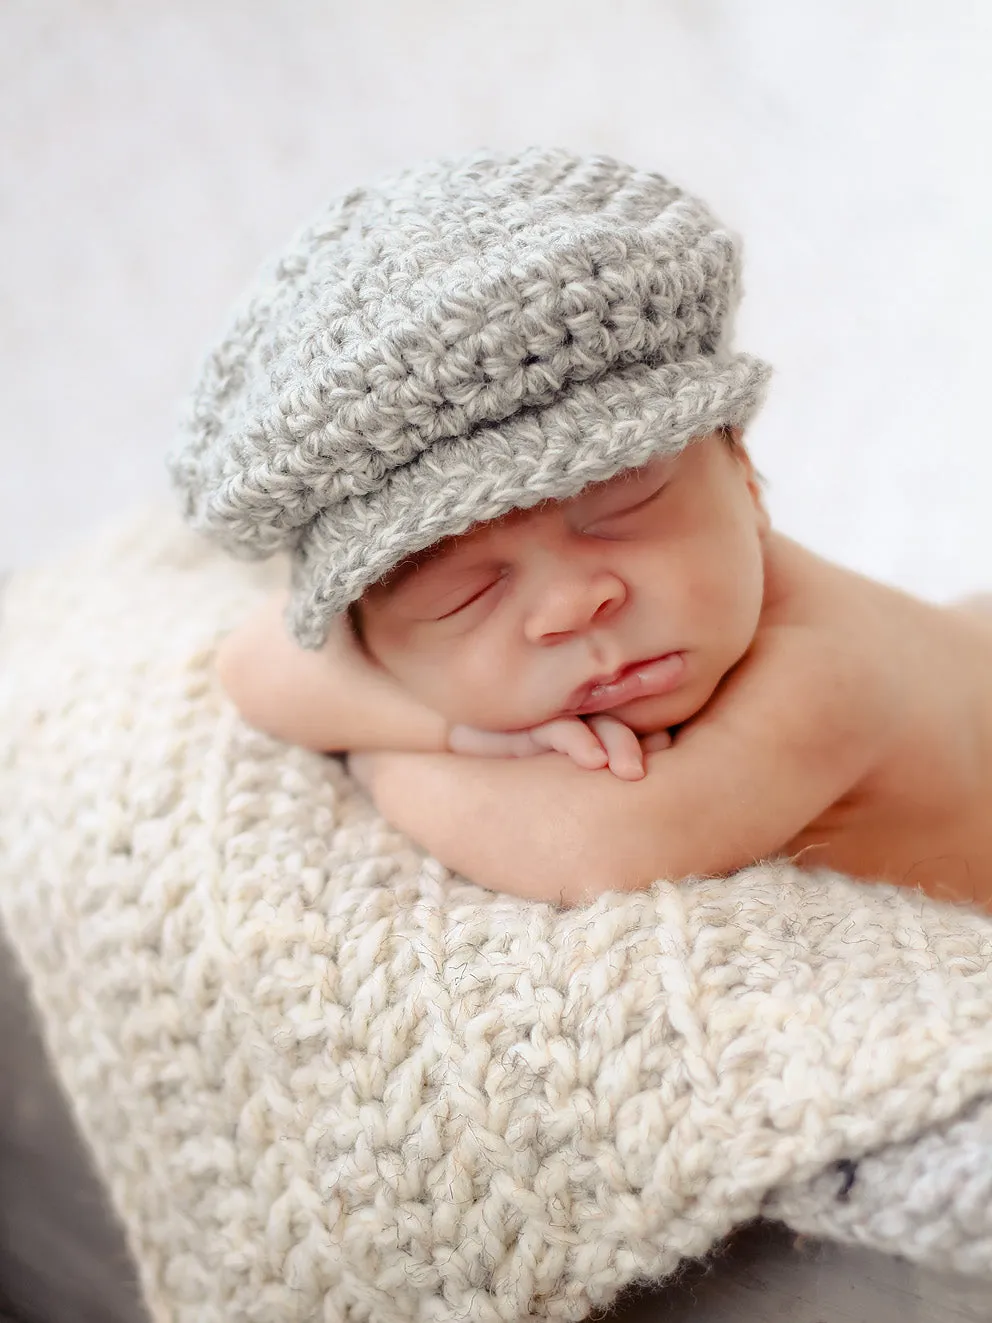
point(325, 1079)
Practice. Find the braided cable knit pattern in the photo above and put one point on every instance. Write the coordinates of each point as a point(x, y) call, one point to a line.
point(325, 1079)
point(448, 346)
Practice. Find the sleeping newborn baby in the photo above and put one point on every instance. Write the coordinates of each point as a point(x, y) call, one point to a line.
point(750, 698)
point(535, 592)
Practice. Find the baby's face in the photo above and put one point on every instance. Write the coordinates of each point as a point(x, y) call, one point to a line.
point(503, 627)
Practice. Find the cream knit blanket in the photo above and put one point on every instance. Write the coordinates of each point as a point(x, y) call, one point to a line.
point(324, 1079)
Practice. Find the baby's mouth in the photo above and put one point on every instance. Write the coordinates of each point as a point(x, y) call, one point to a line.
point(641, 679)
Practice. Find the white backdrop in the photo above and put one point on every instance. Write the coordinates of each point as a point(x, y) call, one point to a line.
point(153, 153)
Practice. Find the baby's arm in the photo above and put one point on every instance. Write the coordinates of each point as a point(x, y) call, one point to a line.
point(333, 700)
point(789, 735)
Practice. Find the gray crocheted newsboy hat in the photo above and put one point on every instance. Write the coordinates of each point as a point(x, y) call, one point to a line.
point(466, 338)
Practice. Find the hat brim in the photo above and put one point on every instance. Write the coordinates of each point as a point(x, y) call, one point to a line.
point(594, 431)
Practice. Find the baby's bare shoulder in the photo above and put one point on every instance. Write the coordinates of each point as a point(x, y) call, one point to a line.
point(825, 642)
point(807, 663)
point(803, 690)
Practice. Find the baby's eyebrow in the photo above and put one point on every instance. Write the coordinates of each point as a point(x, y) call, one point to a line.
point(627, 484)
point(401, 574)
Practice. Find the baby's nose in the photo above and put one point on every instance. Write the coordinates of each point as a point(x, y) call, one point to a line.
point(569, 606)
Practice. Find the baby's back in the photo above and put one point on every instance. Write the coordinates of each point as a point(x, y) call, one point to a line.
point(920, 816)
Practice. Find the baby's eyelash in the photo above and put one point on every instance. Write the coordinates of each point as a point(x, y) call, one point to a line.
point(468, 601)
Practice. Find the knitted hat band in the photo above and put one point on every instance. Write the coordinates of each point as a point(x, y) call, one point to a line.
point(469, 337)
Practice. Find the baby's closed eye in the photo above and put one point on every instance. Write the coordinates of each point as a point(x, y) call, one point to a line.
point(466, 598)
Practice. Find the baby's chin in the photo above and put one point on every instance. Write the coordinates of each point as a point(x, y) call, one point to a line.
point(646, 716)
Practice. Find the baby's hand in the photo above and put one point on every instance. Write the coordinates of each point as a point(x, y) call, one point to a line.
point(592, 742)
point(660, 739)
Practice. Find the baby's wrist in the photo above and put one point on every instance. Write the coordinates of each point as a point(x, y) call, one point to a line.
point(426, 732)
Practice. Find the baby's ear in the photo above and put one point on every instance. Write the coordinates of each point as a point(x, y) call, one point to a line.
point(352, 622)
point(754, 480)
point(758, 497)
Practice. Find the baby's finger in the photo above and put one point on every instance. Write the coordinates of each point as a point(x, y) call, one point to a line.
point(659, 740)
point(572, 737)
point(492, 743)
point(623, 749)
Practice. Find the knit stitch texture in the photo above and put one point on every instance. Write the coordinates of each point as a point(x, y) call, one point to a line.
point(469, 337)
point(928, 1199)
point(323, 1078)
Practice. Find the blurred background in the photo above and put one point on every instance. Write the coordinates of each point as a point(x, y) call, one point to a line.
point(153, 154)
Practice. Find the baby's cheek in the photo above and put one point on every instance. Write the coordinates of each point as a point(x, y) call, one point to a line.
point(482, 680)
point(445, 686)
point(495, 707)
point(730, 594)
point(491, 695)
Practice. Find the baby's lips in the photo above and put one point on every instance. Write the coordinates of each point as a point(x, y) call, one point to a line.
point(647, 679)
